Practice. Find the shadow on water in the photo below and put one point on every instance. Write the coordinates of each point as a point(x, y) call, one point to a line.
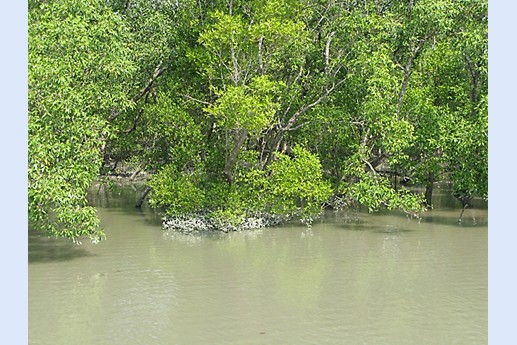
point(392, 230)
point(44, 249)
point(373, 227)
point(122, 197)
point(465, 222)
point(446, 212)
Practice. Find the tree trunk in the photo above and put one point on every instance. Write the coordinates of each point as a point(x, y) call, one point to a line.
point(407, 73)
point(273, 146)
point(465, 202)
point(142, 197)
point(429, 189)
point(241, 137)
point(133, 175)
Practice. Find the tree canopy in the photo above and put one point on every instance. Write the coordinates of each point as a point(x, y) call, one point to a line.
point(242, 107)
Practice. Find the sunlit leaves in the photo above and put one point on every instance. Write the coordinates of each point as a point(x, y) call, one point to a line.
point(168, 135)
point(297, 182)
point(79, 62)
point(251, 108)
point(175, 191)
point(447, 102)
point(206, 94)
point(291, 186)
point(375, 192)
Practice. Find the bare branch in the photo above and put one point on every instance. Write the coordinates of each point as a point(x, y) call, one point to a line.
point(221, 60)
point(196, 100)
point(300, 126)
point(261, 65)
point(289, 87)
point(370, 166)
point(410, 8)
point(330, 4)
point(327, 51)
point(309, 106)
point(407, 73)
point(158, 71)
point(236, 68)
point(144, 91)
point(135, 121)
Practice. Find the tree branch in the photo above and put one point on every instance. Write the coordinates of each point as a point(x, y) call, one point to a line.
point(309, 106)
point(144, 91)
point(158, 71)
point(327, 51)
point(407, 73)
point(370, 166)
point(196, 100)
point(135, 121)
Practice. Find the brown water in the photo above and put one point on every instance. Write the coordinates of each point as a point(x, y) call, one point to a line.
point(354, 278)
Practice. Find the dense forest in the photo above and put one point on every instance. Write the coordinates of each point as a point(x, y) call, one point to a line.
point(240, 108)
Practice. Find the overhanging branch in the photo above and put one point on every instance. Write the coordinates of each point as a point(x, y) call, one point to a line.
point(144, 91)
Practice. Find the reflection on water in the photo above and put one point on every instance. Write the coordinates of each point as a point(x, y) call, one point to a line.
point(353, 278)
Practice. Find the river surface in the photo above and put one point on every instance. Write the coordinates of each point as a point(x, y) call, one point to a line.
point(353, 278)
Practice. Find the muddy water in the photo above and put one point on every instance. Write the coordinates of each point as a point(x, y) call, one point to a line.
point(353, 278)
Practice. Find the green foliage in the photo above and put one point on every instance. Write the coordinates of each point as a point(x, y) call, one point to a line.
point(244, 107)
point(296, 184)
point(79, 62)
point(175, 191)
point(376, 192)
point(250, 108)
point(466, 153)
point(168, 135)
point(403, 106)
point(447, 102)
point(291, 186)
